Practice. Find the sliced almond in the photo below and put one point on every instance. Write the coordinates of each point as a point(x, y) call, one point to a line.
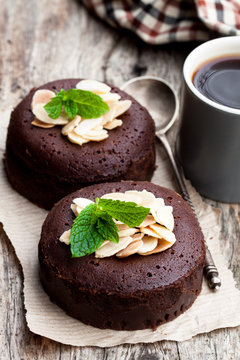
point(157, 203)
point(88, 124)
point(41, 124)
point(122, 227)
point(165, 217)
point(147, 198)
point(82, 202)
point(131, 249)
point(110, 115)
point(42, 96)
point(76, 139)
point(114, 196)
point(76, 209)
point(127, 232)
point(149, 220)
point(148, 231)
point(113, 124)
point(163, 233)
point(110, 98)
point(65, 237)
point(104, 243)
point(41, 114)
point(95, 86)
point(121, 107)
point(112, 248)
point(162, 245)
point(71, 125)
point(137, 236)
point(96, 135)
point(149, 244)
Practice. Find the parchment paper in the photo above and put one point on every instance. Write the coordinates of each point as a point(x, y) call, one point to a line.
point(22, 222)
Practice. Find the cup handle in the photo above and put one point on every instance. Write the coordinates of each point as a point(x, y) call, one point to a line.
point(210, 269)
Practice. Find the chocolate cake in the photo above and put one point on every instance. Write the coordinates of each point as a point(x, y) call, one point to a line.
point(43, 165)
point(131, 293)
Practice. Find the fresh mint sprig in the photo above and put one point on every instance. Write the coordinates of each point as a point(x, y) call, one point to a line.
point(76, 102)
point(95, 224)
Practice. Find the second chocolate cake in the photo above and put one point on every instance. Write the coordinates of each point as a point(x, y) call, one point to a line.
point(43, 165)
point(133, 287)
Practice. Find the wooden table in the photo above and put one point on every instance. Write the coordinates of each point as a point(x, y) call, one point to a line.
point(46, 40)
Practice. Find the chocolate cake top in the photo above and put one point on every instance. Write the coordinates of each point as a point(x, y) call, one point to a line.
point(47, 151)
point(132, 274)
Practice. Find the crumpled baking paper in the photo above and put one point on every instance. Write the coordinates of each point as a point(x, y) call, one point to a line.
point(22, 222)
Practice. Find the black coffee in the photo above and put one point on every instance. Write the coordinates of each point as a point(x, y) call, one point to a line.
point(219, 80)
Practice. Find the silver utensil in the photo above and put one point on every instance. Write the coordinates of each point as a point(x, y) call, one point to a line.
point(162, 102)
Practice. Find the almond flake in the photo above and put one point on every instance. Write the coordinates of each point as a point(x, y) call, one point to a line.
point(149, 244)
point(147, 198)
point(95, 86)
point(131, 249)
point(86, 125)
point(122, 227)
point(41, 124)
point(112, 248)
point(76, 139)
point(150, 232)
point(71, 125)
point(41, 114)
point(110, 115)
point(65, 237)
point(96, 135)
point(162, 246)
point(76, 209)
point(163, 215)
point(42, 96)
point(82, 202)
point(163, 233)
point(137, 236)
point(127, 232)
point(114, 196)
point(110, 98)
point(122, 106)
point(113, 124)
point(149, 220)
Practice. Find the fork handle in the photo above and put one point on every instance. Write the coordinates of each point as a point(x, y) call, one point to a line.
point(210, 270)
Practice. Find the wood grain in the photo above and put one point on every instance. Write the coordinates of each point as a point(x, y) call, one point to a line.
point(45, 40)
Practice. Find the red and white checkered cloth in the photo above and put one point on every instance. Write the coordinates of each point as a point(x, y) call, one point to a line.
point(164, 21)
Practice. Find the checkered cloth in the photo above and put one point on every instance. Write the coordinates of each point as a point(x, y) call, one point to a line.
point(163, 21)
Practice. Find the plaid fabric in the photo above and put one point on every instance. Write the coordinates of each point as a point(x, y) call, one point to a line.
point(163, 21)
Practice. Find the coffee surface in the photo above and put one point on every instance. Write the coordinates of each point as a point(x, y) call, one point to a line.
point(219, 80)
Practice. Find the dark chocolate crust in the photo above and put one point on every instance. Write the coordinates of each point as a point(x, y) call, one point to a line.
point(44, 166)
point(132, 293)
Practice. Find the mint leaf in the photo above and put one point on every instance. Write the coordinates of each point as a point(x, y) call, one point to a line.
point(95, 224)
point(90, 105)
point(75, 101)
point(84, 239)
point(107, 228)
point(54, 107)
point(127, 212)
point(90, 229)
point(70, 108)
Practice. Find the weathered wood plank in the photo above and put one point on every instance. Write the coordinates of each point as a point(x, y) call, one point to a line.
point(41, 41)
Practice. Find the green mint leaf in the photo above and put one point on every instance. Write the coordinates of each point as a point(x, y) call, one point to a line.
point(127, 212)
point(70, 108)
point(84, 237)
point(54, 107)
point(90, 105)
point(75, 101)
point(107, 228)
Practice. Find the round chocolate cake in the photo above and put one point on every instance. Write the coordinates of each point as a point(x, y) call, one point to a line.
point(44, 166)
point(131, 293)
